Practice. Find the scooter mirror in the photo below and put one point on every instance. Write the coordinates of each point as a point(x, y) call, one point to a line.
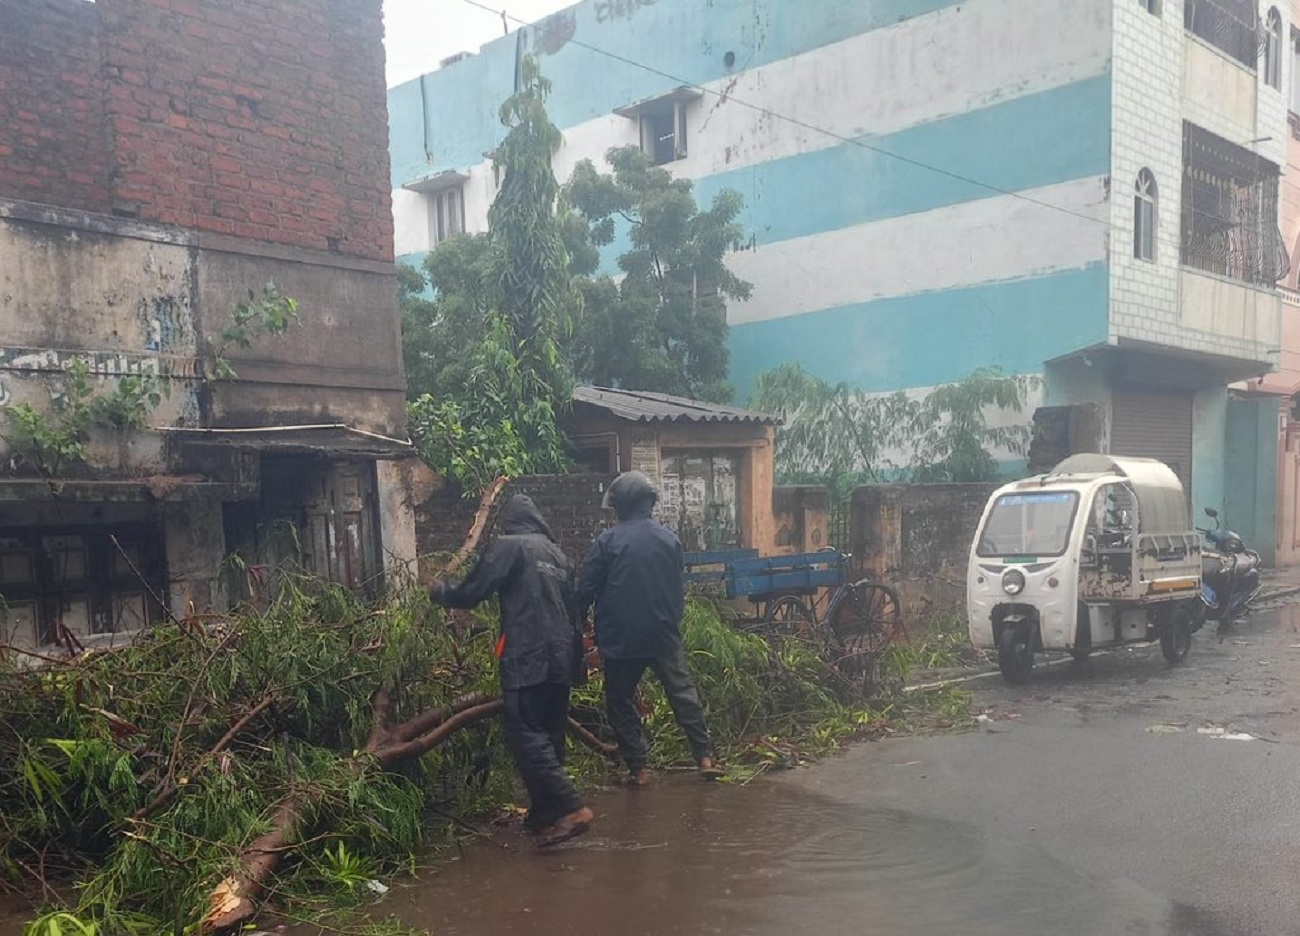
point(1211, 512)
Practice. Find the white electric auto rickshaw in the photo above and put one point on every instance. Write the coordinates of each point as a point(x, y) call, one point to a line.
point(1097, 553)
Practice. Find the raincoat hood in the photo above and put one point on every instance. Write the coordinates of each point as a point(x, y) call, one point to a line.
point(520, 515)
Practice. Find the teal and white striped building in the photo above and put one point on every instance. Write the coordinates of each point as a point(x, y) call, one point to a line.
point(933, 186)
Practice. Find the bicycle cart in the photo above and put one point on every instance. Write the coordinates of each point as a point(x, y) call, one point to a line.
point(807, 595)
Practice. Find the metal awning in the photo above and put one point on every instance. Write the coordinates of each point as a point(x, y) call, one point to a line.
point(333, 439)
point(685, 93)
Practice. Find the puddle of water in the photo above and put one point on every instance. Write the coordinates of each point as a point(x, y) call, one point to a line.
point(685, 859)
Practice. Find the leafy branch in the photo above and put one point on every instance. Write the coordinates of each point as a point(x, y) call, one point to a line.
point(270, 314)
point(843, 435)
point(50, 441)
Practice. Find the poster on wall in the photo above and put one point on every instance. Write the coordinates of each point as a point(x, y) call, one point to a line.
point(645, 454)
point(698, 499)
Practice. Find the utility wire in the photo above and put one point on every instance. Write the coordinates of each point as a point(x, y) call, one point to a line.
point(814, 128)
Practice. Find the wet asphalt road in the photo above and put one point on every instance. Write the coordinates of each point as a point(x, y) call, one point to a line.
point(1093, 804)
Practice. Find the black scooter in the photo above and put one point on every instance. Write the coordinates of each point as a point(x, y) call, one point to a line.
point(1229, 574)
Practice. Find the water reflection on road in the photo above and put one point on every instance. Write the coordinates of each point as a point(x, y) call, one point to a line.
point(684, 858)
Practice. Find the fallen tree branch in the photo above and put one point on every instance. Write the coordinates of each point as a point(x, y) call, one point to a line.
point(233, 902)
point(476, 528)
point(171, 788)
point(586, 737)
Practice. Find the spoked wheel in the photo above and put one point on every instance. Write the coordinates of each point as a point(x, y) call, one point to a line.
point(1015, 654)
point(1176, 637)
point(788, 616)
point(867, 618)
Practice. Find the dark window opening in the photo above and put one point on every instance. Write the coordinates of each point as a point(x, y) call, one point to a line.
point(67, 585)
point(1144, 216)
point(663, 132)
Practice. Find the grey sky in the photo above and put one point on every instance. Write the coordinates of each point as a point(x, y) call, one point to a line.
point(420, 33)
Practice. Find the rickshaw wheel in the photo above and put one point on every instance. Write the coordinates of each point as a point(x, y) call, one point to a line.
point(789, 616)
point(867, 618)
point(1015, 655)
point(1176, 637)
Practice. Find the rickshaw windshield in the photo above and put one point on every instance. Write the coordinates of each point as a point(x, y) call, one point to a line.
point(1030, 524)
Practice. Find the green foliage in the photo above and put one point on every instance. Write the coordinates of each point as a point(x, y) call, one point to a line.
point(663, 326)
point(270, 314)
point(88, 744)
point(487, 366)
point(841, 435)
point(503, 422)
point(49, 441)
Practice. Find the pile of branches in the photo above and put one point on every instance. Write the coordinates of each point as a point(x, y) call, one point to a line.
point(300, 748)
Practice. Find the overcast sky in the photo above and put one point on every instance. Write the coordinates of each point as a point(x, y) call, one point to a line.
point(420, 33)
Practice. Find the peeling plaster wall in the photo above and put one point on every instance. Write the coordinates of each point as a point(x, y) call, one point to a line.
point(131, 298)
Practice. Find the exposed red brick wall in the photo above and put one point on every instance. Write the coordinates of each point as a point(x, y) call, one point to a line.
point(263, 120)
point(52, 146)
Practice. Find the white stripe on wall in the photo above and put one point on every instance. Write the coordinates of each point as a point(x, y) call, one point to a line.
point(986, 241)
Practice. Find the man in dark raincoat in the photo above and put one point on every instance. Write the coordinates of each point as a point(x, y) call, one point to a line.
point(540, 654)
point(633, 574)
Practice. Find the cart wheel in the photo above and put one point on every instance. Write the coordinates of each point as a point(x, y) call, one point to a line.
point(1176, 638)
point(1015, 655)
point(789, 617)
point(867, 618)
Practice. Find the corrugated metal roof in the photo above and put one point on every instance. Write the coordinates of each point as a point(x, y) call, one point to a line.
point(643, 406)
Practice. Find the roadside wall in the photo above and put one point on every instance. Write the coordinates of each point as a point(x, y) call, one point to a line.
point(571, 505)
point(917, 537)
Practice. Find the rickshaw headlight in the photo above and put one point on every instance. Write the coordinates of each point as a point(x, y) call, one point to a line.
point(1013, 581)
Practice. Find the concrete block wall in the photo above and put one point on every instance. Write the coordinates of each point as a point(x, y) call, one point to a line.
point(262, 121)
point(571, 505)
point(916, 537)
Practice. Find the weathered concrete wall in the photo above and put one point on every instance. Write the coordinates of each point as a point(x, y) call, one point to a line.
point(801, 516)
point(263, 121)
point(917, 537)
point(571, 505)
point(130, 298)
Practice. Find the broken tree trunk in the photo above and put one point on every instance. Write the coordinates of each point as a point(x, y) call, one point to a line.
point(233, 902)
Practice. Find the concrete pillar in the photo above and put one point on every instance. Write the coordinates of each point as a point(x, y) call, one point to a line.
point(195, 544)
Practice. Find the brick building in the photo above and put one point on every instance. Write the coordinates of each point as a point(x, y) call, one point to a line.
point(161, 161)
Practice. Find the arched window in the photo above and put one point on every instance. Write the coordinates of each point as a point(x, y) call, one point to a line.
point(1273, 50)
point(1145, 198)
point(1151, 6)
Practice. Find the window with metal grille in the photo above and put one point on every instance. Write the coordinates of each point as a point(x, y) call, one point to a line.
point(1145, 197)
point(1230, 211)
point(1231, 26)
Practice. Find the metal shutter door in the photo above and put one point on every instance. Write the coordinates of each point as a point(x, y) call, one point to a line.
point(1154, 425)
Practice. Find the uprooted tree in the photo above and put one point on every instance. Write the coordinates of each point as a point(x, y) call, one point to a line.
point(303, 748)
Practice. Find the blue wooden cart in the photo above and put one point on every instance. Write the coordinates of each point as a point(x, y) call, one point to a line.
point(808, 595)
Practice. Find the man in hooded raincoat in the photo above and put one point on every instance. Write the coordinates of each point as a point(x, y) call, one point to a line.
point(540, 655)
point(633, 574)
